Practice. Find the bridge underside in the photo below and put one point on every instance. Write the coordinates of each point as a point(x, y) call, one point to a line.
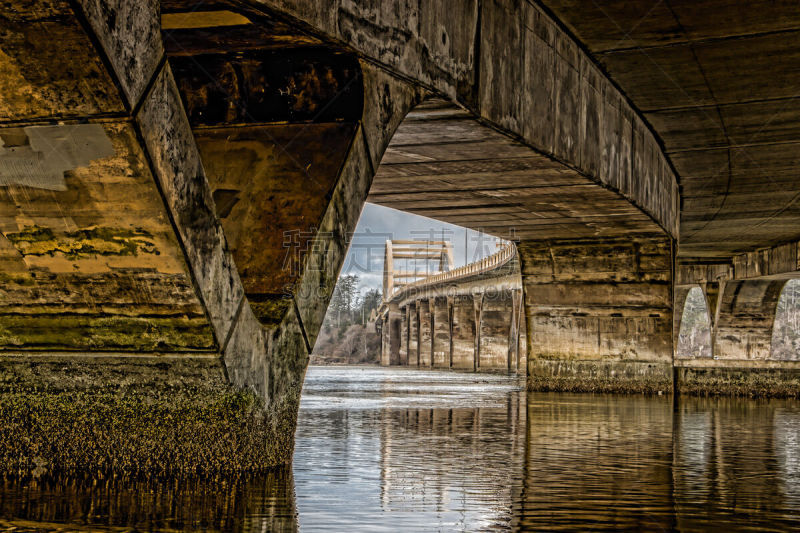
point(718, 81)
point(178, 180)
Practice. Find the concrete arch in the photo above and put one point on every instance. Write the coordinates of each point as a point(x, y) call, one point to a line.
point(150, 205)
point(746, 314)
point(181, 268)
point(632, 192)
point(509, 63)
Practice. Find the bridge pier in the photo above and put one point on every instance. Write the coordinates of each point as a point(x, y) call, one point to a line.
point(495, 330)
point(413, 334)
point(426, 332)
point(517, 343)
point(744, 319)
point(402, 358)
point(464, 331)
point(599, 314)
point(171, 233)
point(392, 332)
point(441, 332)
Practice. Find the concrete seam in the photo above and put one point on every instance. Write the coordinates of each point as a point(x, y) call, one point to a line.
point(97, 118)
point(105, 355)
point(372, 164)
point(149, 87)
point(476, 59)
point(234, 323)
point(302, 327)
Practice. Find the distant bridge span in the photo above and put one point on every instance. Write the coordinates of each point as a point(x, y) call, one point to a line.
point(470, 317)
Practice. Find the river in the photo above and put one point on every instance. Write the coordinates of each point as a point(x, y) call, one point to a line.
point(405, 450)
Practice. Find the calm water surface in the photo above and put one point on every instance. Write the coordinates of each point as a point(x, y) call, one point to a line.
point(405, 450)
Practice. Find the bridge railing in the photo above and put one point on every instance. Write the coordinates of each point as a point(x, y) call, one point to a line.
point(494, 261)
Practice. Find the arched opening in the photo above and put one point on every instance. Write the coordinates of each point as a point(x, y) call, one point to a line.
point(786, 328)
point(694, 338)
point(417, 292)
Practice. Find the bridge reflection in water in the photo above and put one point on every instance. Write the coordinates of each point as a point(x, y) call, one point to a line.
point(399, 449)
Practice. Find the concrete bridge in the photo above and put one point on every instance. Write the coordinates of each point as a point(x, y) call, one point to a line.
point(468, 318)
point(178, 178)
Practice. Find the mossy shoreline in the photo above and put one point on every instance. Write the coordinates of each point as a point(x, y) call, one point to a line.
point(734, 382)
point(194, 431)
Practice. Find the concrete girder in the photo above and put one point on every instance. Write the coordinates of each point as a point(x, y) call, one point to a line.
point(725, 116)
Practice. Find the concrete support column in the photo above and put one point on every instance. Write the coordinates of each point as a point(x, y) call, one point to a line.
point(425, 332)
point(515, 345)
point(744, 319)
point(392, 333)
point(463, 332)
point(712, 294)
point(403, 355)
point(599, 314)
point(477, 306)
point(441, 332)
point(495, 331)
point(413, 334)
point(385, 340)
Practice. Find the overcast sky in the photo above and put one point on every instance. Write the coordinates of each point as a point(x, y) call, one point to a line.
point(378, 224)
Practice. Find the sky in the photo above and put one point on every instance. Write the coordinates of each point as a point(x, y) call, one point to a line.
point(378, 224)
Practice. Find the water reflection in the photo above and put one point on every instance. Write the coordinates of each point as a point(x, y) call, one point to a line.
point(598, 461)
point(408, 450)
point(121, 503)
point(736, 463)
point(402, 450)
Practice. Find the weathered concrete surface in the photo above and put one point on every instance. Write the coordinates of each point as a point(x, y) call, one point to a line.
point(608, 376)
point(746, 313)
point(133, 226)
point(594, 307)
point(446, 164)
point(517, 359)
point(413, 334)
point(403, 355)
point(718, 81)
point(426, 325)
point(392, 333)
point(510, 64)
point(463, 332)
point(441, 333)
point(495, 330)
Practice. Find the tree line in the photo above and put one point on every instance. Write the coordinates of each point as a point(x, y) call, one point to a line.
point(348, 306)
